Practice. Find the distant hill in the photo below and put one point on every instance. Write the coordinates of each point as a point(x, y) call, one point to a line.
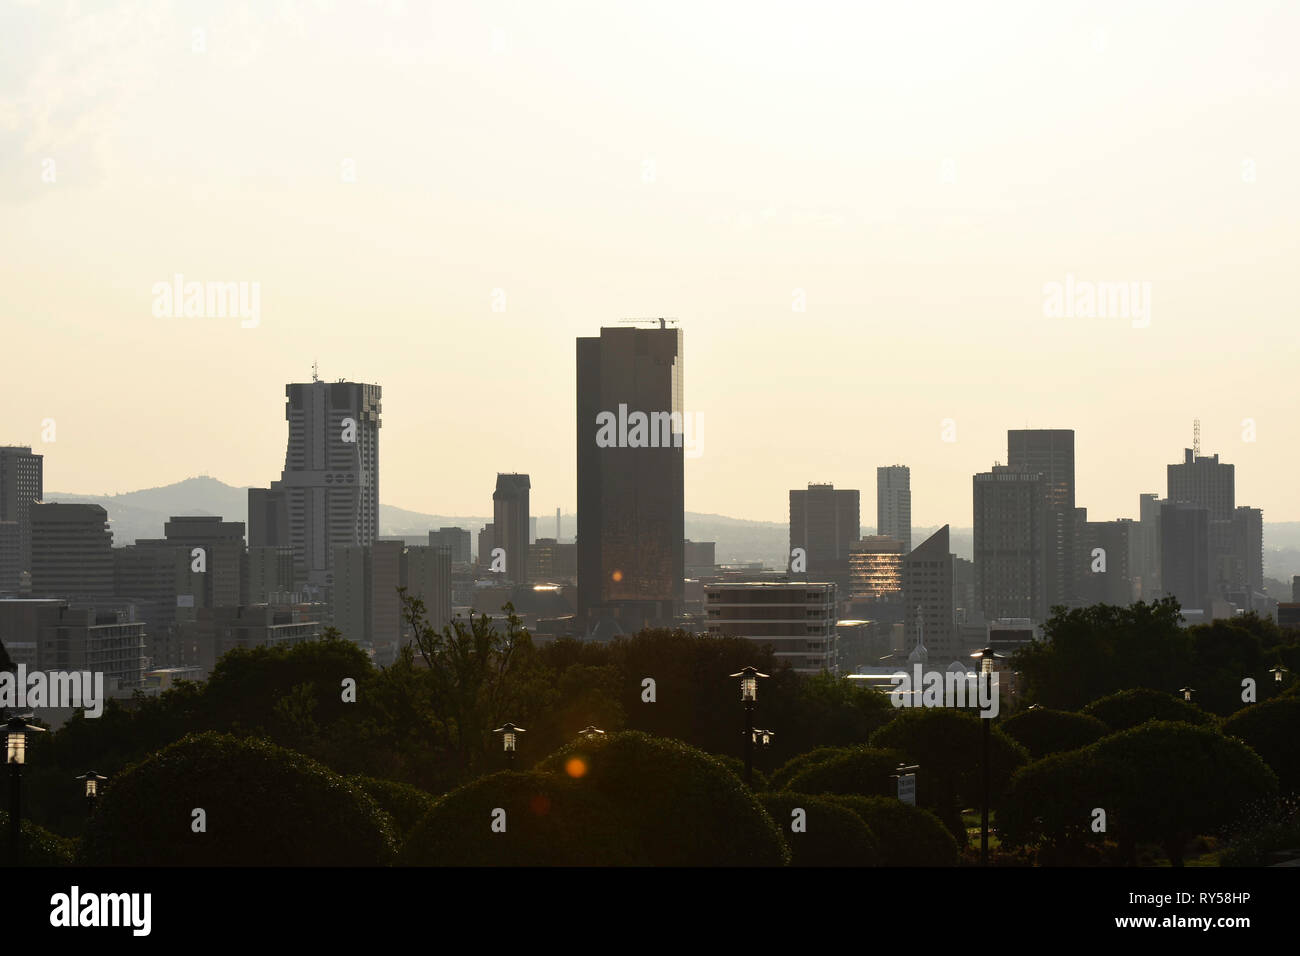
point(141, 514)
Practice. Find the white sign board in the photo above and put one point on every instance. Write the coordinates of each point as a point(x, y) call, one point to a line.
point(907, 788)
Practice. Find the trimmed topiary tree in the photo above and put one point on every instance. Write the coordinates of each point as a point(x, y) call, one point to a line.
point(1043, 732)
point(864, 771)
point(523, 819)
point(263, 806)
point(829, 834)
point(1167, 782)
point(40, 846)
point(1050, 804)
point(737, 766)
point(1130, 708)
point(948, 746)
point(405, 805)
point(780, 779)
point(686, 808)
point(1272, 730)
point(907, 835)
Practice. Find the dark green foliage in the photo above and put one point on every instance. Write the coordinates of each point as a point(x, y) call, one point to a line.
point(857, 770)
point(1129, 708)
point(737, 766)
point(833, 835)
point(1050, 804)
point(1225, 651)
point(265, 806)
point(1089, 652)
point(947, 744)
point(686, 808)
point(1167, 782)
point(1043, 731)
point(1263, 828)
point(907, 835)
point(781, 778)
point(40, 846)
point(405, 805)
point(1272, 730)
point(550, 820)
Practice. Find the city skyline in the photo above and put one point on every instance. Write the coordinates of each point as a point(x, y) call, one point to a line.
point(867, 220)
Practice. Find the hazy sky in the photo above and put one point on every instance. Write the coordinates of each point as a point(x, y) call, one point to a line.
point(920, 171)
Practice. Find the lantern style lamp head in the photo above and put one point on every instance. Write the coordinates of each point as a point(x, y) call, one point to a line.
point(16, 744)
point(1187, 693)
point(749, 684)
point(591, 732)
point(763, 738)
point(92, 782)
point(986, 658)
point(1277, 672)
point(509, 736)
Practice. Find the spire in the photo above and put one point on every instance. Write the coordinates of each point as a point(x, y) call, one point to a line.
point(919, 653)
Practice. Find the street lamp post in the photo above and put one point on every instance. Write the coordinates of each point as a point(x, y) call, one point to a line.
point(93, 779)
point(509, 740)
point(15, 757)
point(1278, 672)
point(986, 658)
point(749, 695)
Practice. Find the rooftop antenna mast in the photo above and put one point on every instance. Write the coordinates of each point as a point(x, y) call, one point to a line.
point(1196, 439)
point(314, 370)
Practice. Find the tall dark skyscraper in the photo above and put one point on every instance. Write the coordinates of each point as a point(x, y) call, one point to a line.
point(510, 523)
point(21, 483)
point(1185, 554)
point(1205, 482)
point(631, 473)
point(328, 494)
point(72, 551)
point(1050, 453)
point(894, 504)
point(928, 597)
point(1013, 534)
point(826, 523)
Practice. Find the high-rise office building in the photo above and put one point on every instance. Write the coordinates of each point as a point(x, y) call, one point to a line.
point(826, 523)
point(1144, 563)
point(894, 504)
point(214, 557)
point(486, 542)
point(701, 558)
point(1205, 482)
point(1050, 452)
point(1105, 549)
point(21, 484)
point(876, 567)
point(11, 561)
point(426, 575)
point(1185, 553)
point(270, 575)
point(455, 540)
point(1014, 531)
point(510, 524)
point(1248, 548)
point(72, 551)
point(797, 620)
point(328, 494)
point(367, 606)
point(631, 435)
point(928, 589)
